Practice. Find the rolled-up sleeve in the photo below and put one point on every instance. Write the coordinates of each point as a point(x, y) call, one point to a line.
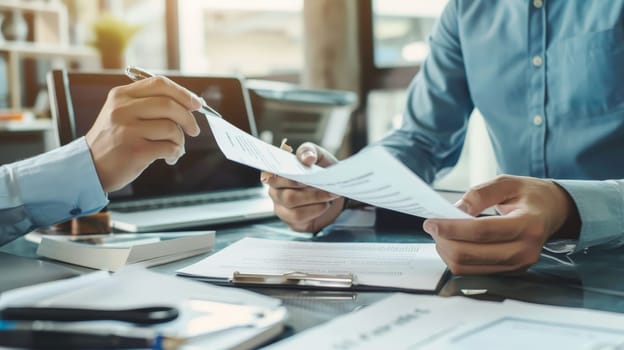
point(47, 189)
point(601, 208)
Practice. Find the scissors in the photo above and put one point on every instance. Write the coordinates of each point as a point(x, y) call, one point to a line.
point(144, 316)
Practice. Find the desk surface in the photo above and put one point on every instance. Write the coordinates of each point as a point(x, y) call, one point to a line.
point(592, 280)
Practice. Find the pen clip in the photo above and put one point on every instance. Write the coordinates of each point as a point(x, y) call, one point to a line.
point(136, 73)
point(295, 279)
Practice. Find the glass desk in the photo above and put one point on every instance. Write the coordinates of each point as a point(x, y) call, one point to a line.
point(591, 280)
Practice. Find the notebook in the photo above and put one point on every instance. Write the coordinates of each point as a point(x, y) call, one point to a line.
point(203, 188)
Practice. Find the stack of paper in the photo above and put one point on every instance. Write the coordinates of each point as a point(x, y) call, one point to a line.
point(112, 252)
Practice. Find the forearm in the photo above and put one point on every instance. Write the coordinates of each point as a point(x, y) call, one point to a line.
point(47, 189)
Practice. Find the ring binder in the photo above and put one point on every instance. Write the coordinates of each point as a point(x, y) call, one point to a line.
point(295, 278)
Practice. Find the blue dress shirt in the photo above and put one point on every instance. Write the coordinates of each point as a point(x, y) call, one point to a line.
point(548, 78)
point(47, 189)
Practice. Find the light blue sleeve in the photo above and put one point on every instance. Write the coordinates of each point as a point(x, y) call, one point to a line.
point(601, 208)
point(47, 189)
point(438, 105)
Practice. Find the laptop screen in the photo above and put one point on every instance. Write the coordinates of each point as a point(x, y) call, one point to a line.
point(203, 168)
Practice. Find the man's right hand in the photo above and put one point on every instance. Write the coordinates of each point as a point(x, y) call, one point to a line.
point(138, 124)
point(304, 208)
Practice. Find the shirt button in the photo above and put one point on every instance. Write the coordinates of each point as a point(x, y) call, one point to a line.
point(537, 61)
point(75, 211)
point(538, 3)
point(538, 120)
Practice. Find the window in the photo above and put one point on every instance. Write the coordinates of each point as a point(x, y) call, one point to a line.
point(248, 37)
point(401, 28)
point(400, 33)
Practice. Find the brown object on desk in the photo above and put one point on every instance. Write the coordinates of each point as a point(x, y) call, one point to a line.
point(98, 223)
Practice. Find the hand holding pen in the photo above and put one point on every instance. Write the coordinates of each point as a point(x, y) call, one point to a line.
point(138, 124)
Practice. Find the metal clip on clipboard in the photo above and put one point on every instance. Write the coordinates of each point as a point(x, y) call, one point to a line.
point(295, 279)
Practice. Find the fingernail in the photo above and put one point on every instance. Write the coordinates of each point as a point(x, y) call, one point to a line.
point(308, 155)
point(430, 227)
point(198, 101)
point(463, 206)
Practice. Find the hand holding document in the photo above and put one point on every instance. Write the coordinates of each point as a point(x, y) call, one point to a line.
point(428, 322)
point(372, 176)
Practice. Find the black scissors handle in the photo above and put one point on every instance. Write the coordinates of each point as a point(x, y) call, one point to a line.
point(145, 315)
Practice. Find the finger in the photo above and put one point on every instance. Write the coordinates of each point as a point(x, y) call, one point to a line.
point(489, 194)
point(292, 198)
point(301, 217)
point(162, 130)
point(465, 258)
point(265, 176)
point(159, 107)
point(162, 86)
point(309, 153)
point(488, 229)
point(279, 182)
point(149, 151)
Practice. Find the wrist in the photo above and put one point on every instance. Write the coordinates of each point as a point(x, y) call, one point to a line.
point(571, 226)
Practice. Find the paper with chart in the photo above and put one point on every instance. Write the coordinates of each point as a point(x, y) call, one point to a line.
point(414, 266)
point(372, 176)
point(409, 322)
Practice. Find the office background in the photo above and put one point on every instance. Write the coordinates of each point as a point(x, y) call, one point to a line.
point(370, 47)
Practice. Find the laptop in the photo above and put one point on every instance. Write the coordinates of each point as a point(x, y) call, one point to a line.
point(203, 188)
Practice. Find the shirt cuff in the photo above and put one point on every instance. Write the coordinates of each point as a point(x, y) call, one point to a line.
point(60, 184)
point(601, 208)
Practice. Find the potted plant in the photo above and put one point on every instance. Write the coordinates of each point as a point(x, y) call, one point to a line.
point(111, 38)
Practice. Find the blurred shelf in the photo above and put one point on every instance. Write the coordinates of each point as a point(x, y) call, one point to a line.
point(32, 5)
point(26, 126)
point(31, 50)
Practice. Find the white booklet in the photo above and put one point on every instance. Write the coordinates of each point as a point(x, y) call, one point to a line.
point(112, 252)
point(403, 322)
point(372, 176)
point(405, 266)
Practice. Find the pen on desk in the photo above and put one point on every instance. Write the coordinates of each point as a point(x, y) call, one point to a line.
point(264, 177)
point(136, 74)
point(50, 339)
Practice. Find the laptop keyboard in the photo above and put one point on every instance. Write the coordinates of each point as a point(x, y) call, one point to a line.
point(182, 202)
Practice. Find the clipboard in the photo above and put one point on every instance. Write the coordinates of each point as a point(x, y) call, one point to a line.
point(299, 279)
point(310, 281)
point(255, 262)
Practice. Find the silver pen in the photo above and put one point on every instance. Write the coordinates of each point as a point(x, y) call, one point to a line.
point(136, 74)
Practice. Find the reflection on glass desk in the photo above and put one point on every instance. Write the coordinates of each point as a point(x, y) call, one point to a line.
point(591, 280)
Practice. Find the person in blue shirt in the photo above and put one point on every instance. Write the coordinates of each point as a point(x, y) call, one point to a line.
point(547, 77)
point(138, 124)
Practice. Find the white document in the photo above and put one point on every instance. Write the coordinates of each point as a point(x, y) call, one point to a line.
point(135, 287)
point(396, 265)
point(429, 322)
point(372, 176)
